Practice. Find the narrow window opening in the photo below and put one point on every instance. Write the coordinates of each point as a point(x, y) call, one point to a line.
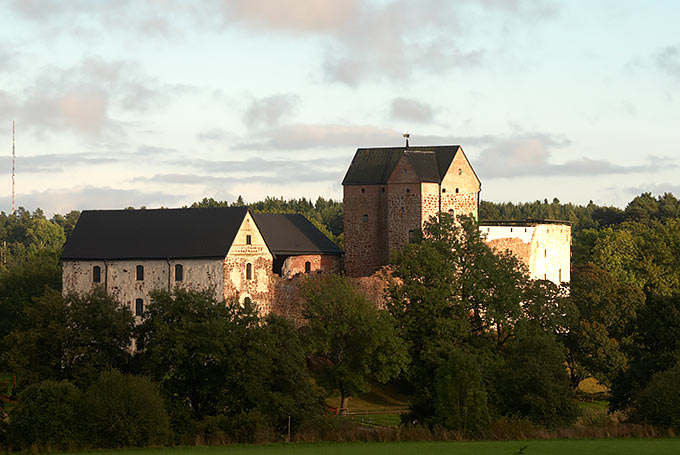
point(457, 190)
point(545, 276)
point(382, 190)
point(559, 275)
point(247, 301)
point(402, 210)
point(364, 218)
point(139, 275)
point(139, 307)
point(405, 171)
point(408, 190)
point(96, 274)
point(179, 272)
point(460, 171)
point(308, 267)
point(411, 235)
point(363, 190)
point(510, 229)
point(249, 271)
point(545, 253)
point(525, 229)
point(443, 190)
point(249, 239)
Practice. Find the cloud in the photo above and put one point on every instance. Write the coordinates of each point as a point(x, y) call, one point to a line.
point(411, 110)
point(82, 97)
point(63, 200)
point(668, 60)
point(310, 136)
point(268, 111)
point(530, 154)
point(655, 188)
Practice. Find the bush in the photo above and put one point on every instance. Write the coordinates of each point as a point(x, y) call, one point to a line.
point(659, 403)
point(46, 416)
point(124, 411)
point(247, 427)
point(533, 383)
point(460, 395)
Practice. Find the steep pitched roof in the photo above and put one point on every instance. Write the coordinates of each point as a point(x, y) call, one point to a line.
point(375, 165)
point(154, 234)
point(292, 234)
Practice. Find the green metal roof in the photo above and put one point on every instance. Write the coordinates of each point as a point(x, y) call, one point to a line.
point(373, 166)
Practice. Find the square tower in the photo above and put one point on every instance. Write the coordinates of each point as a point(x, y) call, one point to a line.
point(389, 194)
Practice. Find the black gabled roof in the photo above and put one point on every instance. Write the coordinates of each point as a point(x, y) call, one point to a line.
point(372, 166)
point(154, 234)
point(290, 234)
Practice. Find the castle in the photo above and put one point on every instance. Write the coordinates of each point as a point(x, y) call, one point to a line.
point(388, 195)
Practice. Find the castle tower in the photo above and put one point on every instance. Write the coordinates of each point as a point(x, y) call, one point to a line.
point(389, 194)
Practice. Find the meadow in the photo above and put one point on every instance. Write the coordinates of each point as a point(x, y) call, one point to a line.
point(530, 447)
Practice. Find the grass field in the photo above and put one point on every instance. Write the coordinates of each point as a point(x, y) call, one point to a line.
point(547, 447)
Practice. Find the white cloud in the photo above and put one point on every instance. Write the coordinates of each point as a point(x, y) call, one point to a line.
point(268, 111)
point(411, 110)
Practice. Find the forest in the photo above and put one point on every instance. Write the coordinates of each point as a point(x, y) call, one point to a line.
point(465, 334)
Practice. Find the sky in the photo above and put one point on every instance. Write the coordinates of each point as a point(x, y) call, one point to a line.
point(164, 102)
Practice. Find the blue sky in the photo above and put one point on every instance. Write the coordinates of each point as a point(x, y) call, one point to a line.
point(164, 102)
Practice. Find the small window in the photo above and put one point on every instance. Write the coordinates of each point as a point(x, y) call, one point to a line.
point(443, 190)
point(451, 211)
point(249, 239)
point(510, 229)
point(457, 190)
point(139, 275)
point(559, 275)
point(525, 229)
point(363, 190)
point(408, 190)
point(308, 267)
point(179, 272)
point(96, 274)
point(460, 171)
point(545, 253)
point(411, 235)
point(139, 307)
point(247, 301)
point(249, 271)
point(402, 210)
point(405, 171)
point(545, 276)
point(382, 190)
point(364, 218)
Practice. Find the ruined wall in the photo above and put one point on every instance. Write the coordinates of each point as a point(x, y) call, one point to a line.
point(365, 238)
point(118, 277)
point(317, 262)
point(259, 287)
point(544, 248)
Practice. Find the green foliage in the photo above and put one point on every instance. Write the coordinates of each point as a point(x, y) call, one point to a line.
point(214, 358)
point(533, 383)
point(659, 402)
point(354, 340)
point(124, 411)
point(74, 337)
point(460, 394)
point(47, 415)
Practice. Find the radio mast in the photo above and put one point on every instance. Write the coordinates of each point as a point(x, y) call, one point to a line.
point(13, 157)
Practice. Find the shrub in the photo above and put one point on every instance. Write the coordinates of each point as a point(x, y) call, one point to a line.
point(247, 427)
point(46, 416)
point(659, 403)
point(124, 411)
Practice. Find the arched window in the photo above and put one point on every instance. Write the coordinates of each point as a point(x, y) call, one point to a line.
point(139, 307)
point(411, 235)
point(96, 274)
point(364, 218)
point(451, 211)
point(308, 267)
point(249, 271)
point(247, 301)
point(179, 272)
point(457, 190)
point(140, 273)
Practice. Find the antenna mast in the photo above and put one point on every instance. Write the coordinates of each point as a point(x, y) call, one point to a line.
point(13, 157)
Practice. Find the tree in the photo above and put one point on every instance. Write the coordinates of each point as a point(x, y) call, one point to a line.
point(73, 337)
point(533, 383)
point(215, 358)
point(354, 340)
point(599, 330)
